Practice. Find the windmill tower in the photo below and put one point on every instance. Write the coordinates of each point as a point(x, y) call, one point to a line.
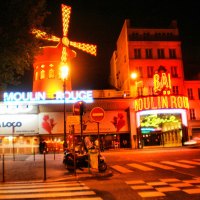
point(47, 74)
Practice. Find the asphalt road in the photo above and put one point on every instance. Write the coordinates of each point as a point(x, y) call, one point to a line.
point(167, 174)
point(155, 174)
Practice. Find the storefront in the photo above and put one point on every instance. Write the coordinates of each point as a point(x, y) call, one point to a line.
point(162, 127)
point(162, 118)
point(31, 124)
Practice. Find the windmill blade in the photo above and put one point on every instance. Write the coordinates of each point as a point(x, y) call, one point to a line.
point(44, 36)
point(89, 48)
point(66, 11)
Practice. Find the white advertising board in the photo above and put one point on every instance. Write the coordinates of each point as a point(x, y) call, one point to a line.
point(21, 124)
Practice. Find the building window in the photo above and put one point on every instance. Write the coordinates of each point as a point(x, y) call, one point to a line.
point(151, 90)
point(139, 72)
point(192, 114)
point(42, 74)
point(175, 89)
point(149, 53)
point(137, 53)
point(150, 71)
point(161, 53)
point(199, 93)
point(172, 53)
point(36, 76)
point(190, 93)
point(140, 91)
point(174, 72)
point(51, 73)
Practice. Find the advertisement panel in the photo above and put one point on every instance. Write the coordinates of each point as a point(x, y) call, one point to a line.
point(20, 124)
point(53, 123)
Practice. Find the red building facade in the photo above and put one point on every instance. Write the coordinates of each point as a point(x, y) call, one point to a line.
point(166, 109)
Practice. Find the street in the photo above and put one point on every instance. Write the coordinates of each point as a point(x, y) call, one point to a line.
point(172, 173)
point(155, 174)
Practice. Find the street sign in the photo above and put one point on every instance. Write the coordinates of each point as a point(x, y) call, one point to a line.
point(97, 114)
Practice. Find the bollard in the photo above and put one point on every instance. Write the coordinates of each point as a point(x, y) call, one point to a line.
point(34, 155)
point(54, 153)
point(44, 165)
point(3, 169)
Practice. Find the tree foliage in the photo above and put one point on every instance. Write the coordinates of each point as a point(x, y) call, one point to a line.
point(18, 45)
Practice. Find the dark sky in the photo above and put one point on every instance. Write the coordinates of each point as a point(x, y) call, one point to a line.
point(100, 22)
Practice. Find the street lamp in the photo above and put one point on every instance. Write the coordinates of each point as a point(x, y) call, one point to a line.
point(64, 76)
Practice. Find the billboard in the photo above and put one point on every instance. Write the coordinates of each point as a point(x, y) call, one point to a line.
point(20, 124)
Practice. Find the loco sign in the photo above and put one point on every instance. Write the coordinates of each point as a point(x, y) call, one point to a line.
point(10, 124)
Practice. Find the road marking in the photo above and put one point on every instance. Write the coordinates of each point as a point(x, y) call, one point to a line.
point(192, 191)
point(189, 162)
point(159, 165)
point(151, 194)
point(141, 167)
point(141, 187)
point(39, 185)
point(76, 190)
point(167, 189)
point(157, 183)
point(181, 184)
point(134, 182)
point(177, 164)
point(121, 169)
point(192, 181)
point(170, 180)
point(35, 190)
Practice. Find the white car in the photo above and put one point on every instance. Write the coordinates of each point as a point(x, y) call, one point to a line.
point(194, 142)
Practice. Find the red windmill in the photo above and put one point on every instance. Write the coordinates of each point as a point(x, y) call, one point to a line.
point(47, 76)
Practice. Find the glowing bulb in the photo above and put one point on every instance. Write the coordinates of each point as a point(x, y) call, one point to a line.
point(64, 71)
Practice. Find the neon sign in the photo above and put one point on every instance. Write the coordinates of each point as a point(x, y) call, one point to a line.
point(41, 97)
point(161, 102)
point(155, 121)
point(162, 111)
point(162, 83)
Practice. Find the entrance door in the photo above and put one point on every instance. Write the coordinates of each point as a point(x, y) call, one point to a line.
point(152, 139)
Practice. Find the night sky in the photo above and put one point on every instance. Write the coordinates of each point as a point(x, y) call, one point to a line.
point(100, 22)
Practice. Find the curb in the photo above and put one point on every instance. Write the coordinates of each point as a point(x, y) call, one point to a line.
point(84, 175)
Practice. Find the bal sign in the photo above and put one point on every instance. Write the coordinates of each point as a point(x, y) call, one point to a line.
point(97, 114)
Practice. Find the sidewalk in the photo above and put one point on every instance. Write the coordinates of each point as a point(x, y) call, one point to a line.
point(31, 168)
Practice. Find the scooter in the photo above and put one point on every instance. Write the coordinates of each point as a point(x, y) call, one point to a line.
point(82, 161)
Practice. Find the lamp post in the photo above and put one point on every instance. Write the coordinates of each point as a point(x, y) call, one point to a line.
point(64, 76)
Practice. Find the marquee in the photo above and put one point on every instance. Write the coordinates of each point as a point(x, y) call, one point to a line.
point(161, 102)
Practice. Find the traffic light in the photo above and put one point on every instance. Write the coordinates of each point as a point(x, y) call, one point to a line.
point(82, 107)
point(79, 108)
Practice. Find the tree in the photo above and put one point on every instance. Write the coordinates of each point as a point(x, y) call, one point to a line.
point(18, 46)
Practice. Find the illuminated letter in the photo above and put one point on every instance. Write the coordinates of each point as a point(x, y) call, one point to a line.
point(180, 102)
point(152, 103)
point(136, 105)
point(146, 103)
point(165, 103)
point(156, 83)
point(173, 102)
point(140, 104)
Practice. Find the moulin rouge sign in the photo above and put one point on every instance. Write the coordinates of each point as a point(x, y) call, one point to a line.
point(162, 98)
point(40, 97)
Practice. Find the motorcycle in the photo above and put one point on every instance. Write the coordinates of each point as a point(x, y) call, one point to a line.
point(82, 161)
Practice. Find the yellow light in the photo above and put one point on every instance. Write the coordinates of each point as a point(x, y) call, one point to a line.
point(64, 71)
point(133, 75)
